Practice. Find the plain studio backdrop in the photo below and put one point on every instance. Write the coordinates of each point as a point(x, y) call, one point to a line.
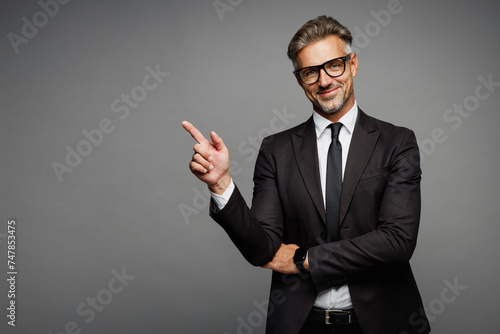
point(112, 229)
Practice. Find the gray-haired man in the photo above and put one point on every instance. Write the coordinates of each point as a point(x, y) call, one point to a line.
point(336, 204)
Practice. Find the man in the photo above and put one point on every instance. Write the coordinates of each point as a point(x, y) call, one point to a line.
point(336, 208)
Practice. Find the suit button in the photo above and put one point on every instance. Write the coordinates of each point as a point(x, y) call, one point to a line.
point(323, 235)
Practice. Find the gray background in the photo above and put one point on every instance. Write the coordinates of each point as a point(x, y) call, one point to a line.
point(121, 206)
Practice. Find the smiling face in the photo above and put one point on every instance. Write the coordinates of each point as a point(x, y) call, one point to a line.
point(331, 97)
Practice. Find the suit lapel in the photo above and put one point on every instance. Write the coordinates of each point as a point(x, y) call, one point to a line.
point(306, 154)
point(363, 142)
point(304, 144)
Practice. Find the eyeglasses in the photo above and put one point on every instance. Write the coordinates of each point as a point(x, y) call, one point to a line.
point(334, 68)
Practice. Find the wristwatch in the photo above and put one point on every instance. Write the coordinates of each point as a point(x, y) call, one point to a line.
point(299, 258)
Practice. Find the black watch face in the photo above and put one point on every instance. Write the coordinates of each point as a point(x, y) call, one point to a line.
point(300, 254)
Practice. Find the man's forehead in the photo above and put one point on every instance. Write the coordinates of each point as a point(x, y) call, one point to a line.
point(318, 52)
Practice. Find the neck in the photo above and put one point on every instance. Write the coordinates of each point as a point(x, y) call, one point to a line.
point(336, 116)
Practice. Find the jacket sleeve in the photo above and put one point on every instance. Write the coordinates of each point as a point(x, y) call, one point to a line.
point(256, 232)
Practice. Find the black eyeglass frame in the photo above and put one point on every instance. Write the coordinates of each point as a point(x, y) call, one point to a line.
point(322, 66)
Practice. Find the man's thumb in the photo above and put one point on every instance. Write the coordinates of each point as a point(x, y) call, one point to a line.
point(216, 140)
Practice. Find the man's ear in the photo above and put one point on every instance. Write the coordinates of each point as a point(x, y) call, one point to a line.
point(298, 79)
point(354, 64)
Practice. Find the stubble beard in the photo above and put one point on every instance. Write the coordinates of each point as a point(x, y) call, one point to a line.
point(329, 109)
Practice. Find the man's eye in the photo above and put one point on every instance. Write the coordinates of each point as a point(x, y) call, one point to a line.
point(309, 72)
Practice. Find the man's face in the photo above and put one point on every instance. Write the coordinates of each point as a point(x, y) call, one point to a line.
point(331, 97)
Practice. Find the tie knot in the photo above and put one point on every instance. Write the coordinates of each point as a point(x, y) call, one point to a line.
point(335, 129)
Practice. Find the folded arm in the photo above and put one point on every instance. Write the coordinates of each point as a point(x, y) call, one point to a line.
point(393, 240)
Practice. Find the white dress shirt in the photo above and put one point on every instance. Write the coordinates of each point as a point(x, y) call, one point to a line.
point(340, 298)
point(331, 298)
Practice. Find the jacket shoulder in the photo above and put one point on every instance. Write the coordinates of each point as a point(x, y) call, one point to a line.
point(385, 128)
point(284, 136)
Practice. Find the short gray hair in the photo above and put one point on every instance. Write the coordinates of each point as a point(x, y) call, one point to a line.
point(317, 30)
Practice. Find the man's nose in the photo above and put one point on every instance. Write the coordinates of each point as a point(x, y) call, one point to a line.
point(324, 79)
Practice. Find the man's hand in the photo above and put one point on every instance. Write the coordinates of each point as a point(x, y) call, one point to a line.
point(210, 162)
point(283, 260)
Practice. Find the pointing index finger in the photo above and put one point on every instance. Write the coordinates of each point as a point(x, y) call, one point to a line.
point(195, 133)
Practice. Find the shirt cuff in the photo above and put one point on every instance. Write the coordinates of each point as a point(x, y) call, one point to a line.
point(221, 200)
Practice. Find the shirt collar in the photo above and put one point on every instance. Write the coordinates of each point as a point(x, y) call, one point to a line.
point(348, 120)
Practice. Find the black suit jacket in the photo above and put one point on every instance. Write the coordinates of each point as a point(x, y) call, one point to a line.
point(379, 219)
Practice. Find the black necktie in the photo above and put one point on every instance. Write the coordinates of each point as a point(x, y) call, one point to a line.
point(333, 183)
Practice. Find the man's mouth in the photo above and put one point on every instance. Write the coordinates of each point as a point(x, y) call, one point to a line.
point(327, 92)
